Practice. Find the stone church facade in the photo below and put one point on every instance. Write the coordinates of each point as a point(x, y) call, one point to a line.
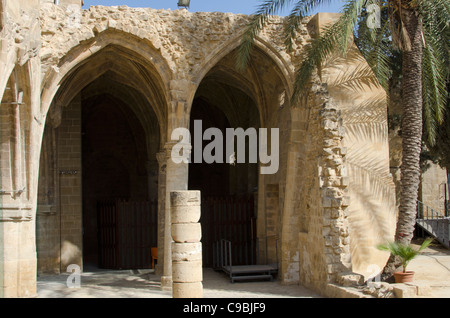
point(90, 99)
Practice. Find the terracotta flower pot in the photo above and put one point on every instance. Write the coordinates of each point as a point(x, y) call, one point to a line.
point(401, 277)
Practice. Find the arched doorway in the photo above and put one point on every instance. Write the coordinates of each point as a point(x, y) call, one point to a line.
point(205, 177)
point(256, 97)
point(117, 200)
point(99, 165)
point(229, 189)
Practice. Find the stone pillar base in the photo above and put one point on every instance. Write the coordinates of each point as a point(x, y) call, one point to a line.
point(188, 290)
point(187, 271)
point(166, 283)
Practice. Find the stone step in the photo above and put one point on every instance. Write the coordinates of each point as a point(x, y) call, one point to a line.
point(251, 277)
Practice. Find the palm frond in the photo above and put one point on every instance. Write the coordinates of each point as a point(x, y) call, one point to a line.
point(435, 71)
point(299, 11)
point(405, 251)
point(257, 23)
point(434, 90)
point(378, 52)
point(425, 244)
point(357, 79)
point(332, 36)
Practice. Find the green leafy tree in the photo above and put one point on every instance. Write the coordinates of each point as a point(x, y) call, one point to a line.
point(415, 29)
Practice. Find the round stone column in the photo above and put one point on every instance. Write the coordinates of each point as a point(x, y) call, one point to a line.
point(187, 272)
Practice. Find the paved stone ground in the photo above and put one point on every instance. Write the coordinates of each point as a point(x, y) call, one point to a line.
point(145, 284)
point(432, 268)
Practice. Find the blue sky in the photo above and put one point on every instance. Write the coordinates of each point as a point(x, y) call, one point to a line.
point(234, 6)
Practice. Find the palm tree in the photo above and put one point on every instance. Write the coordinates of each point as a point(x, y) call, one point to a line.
point(418, 29)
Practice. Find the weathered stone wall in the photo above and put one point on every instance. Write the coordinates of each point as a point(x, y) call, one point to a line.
point(323, 249)
point(272, 187)
point(432, 188)
point(372, 208)
point(59, 210)
point(47, 220)
point(60, 245)
point(187, 44)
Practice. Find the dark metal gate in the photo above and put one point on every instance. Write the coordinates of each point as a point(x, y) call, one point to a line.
point(127, 230)
point(230, 218)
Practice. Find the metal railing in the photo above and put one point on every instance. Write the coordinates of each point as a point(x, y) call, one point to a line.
point(433, 222)
point(426, 212)
point(222, 254)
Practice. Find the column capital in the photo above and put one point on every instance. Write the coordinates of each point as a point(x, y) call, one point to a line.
point(181, 89)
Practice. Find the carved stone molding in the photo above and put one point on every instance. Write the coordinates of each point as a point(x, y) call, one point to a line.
point(10, 213)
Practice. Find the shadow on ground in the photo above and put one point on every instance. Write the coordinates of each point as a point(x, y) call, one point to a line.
point(145, 284)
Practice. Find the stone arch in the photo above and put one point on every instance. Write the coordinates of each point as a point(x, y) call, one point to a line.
point(268, 75)
point(232, 44)
point(283, 68)
point(148, 62)
point(127, 94)
point(129, 70)
point(136, 128)
point(6, 67)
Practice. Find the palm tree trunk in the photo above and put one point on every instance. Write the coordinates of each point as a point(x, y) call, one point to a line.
point(411, 133)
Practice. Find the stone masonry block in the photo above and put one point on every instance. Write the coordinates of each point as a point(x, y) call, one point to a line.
point(186, 252)
point(187, 232)
point(187, 290)
point(404, 291)
point(185, 214)
point(350, 279)
point(423, 290)
point(187, 272)
point(184, 198)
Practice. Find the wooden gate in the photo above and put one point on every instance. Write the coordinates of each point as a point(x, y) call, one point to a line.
point(229, 218)
point(127, 230)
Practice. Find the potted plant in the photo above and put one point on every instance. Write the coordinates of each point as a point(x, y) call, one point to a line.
point(406, 253)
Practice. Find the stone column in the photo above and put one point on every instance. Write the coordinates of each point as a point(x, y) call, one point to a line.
point(176, 179)
point(187, 273)
point(162, 163)
point(176, 165)
point(17, 199)
point(17, 248)
point(20, 137)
